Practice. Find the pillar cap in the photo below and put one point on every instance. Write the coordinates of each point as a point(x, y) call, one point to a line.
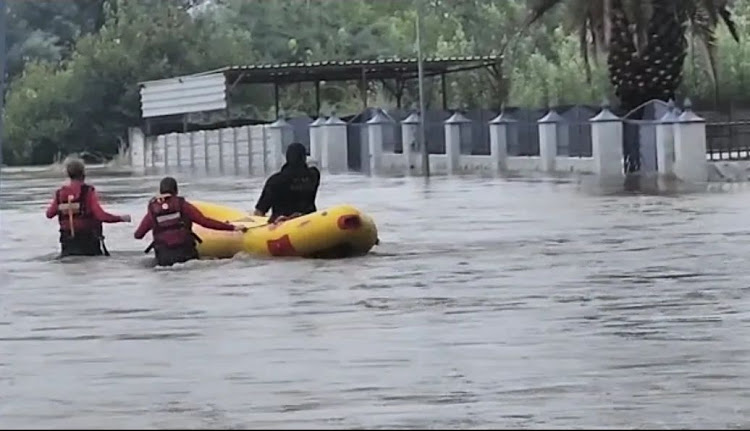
point(457, 118)
point(318, 121)
point(413, 118)
point(279, 124)
point(688, 116)
point(605, 116)
point(503, 118)
point(378, 118)
point(670, 116)
point(334, 120)
point(551, 117)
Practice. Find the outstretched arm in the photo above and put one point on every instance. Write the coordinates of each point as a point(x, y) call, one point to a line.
point(52, 208)
point(196, 216)
point(147, 223)
point(98, 212)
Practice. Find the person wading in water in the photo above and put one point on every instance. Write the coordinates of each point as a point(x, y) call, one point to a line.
point(171, 218)
point(80, 215)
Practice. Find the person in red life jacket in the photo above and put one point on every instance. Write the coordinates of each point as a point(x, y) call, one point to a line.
point(80, 215)
point(171, 218)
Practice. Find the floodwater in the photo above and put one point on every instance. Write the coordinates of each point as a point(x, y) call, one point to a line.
point(489, 303)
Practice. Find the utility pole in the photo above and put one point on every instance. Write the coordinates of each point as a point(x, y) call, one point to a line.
point(3, 58)
point(422, 111)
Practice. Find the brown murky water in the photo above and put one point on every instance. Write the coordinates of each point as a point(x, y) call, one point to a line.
point(488, 304)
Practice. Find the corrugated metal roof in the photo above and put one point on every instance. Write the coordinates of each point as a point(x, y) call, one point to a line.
point(348, 69)
point(183, 94)
point(378, 62)
point(206, 91)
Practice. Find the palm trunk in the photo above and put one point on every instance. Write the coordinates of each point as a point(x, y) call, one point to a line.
point(654, 73)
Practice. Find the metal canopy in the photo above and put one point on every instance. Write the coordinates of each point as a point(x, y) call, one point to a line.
point(169, 96)
point(350, 70)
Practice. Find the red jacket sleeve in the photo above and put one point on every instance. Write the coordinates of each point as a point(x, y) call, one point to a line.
point(97, 211)
point(196, 216)
point(147, 223)
point(52, 208)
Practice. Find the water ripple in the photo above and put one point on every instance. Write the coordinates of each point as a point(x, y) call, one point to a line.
point(489, 304)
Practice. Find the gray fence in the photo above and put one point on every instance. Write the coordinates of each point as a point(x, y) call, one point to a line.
point(574, 139)
point(301, 130)
point(727, 134)
point(574, 132)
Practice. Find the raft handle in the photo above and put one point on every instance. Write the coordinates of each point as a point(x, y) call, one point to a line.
point(349, 222)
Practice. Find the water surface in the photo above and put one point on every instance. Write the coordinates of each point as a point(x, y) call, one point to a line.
point(489, 303)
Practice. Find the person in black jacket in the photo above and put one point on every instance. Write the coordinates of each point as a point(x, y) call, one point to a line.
point(291, 192)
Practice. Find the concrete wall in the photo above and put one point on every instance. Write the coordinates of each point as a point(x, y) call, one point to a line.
point(374, 137)
point(241, 150)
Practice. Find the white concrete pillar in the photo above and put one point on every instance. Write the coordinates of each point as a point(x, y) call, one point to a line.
point(206, 150)
point(221, 150)
point(502, 129)
point(160, 151)
point(409, 130)
point(150, 150)
point(690, 163)
point(316, 140)
point(249, 137)
point(375, 127)
point(186, 151)
point(335, 150)
point(606, 143)
point(178, 146)
point(453, 127)
point(137, 151)
point(548, 127)
point(235, 151)
point(170, 151)
point(191, 142)
point(280, 135)
point(165, 152)
point(265, 148)
point(665, 142)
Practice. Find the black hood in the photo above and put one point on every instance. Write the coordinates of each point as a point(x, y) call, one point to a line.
point(296, 156)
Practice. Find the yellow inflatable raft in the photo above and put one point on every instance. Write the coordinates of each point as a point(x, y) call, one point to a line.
point(336, 232)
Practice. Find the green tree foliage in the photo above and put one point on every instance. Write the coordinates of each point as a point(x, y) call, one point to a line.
point(644, 40)
point(37, 119)
point(87, 101)
point(48, 29)
point(74, 65)
point(732, 63)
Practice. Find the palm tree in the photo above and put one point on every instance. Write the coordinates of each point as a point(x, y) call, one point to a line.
point(645, 42)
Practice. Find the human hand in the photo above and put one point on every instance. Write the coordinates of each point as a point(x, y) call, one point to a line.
point(283, 218)
point(126, 218)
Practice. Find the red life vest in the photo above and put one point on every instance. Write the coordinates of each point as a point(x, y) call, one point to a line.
point(72, 206)
point(172, 228)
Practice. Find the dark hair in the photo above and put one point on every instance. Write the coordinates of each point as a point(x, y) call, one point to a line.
point(168, 185)
point(296, 154)
point(76, 170)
